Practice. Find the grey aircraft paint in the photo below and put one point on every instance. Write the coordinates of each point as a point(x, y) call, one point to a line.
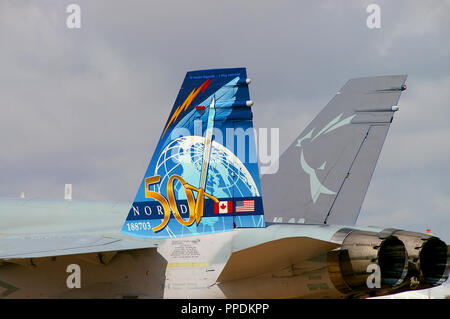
point(324, 174)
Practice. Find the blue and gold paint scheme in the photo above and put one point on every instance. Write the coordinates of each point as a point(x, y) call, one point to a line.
point(205, 163)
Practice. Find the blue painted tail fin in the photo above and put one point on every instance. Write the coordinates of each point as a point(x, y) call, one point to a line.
point(203, 176)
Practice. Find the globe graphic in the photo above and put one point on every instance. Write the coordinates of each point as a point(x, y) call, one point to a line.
point(227, 176)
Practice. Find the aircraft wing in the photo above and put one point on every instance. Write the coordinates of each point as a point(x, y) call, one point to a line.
point(48, 245)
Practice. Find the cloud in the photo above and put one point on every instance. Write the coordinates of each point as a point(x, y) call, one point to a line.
point(415, 21)
point(87, 106)
point(442, 203)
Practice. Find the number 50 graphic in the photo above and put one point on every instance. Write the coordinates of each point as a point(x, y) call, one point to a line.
point(171, 202)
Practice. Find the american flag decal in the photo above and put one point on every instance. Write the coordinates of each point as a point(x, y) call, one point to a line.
point(245, 206)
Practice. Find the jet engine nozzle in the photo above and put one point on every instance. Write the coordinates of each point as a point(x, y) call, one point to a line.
point(349, 268)
point(427, 259)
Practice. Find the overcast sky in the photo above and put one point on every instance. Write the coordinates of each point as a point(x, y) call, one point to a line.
point(87, 106)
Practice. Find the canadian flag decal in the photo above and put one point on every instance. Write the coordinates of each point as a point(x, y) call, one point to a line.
point(223, 207)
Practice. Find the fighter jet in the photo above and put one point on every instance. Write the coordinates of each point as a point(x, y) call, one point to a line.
point(199, 227)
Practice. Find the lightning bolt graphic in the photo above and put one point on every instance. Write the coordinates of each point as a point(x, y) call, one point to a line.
point(187, 102)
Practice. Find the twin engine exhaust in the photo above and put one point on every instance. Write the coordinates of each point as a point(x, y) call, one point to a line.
point(399, 261)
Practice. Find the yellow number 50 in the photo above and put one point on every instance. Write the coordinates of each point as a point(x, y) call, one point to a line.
point(171, 204)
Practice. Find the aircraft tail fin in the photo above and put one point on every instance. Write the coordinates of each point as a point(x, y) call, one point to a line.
point(203, 176)
point(324, 174)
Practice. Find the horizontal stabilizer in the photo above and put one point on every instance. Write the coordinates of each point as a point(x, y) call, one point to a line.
point(272, 256)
